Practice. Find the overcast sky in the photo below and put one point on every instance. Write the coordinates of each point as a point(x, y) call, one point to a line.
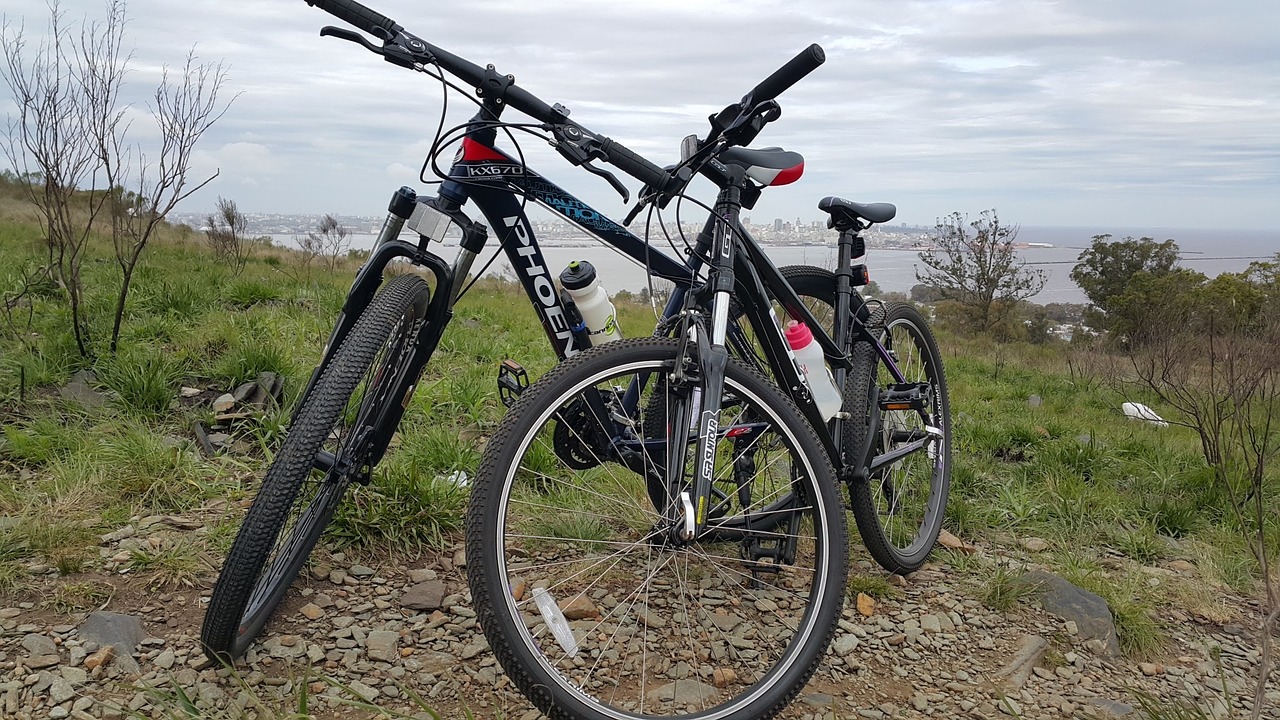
point(1100, 113)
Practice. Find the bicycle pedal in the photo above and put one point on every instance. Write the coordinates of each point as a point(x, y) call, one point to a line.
point(512, 381)
point(906, 396)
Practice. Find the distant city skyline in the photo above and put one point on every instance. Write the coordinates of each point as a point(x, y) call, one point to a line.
point(1095, 113)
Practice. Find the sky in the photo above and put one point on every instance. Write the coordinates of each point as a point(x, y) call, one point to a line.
point(1096, 113)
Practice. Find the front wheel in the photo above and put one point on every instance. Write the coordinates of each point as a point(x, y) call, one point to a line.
point(355, 395)
point(591, 600)
point(899, 509)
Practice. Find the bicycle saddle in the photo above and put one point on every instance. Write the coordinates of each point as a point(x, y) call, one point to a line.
point(767, 166)
point(848, 210)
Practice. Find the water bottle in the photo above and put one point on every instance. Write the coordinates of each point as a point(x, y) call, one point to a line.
point(809, 355)
point(580, 281)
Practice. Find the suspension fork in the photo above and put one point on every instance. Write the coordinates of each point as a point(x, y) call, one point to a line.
point(713, 358)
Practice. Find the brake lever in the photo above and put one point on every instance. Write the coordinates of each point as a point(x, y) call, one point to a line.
point(613, 180)
point(350, 36)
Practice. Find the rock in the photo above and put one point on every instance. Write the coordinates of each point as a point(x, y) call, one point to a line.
point(361, 571)
point(1090, 612)
point(1035, 401)
point(164, 660)
point(579, 608)
point(1029, 653)
point(189, 392)
point(845, 645)
point(866, 605)
point(930, 624)
point(951, 542)
point(428, 595)
point(60, 691)
point(224, 402)
point(818, 700)
point(100, 658)
point(1009, 706)
point(686, 692)
point(1109, 708)
point(1182, 566)
point(311, 611)
point(723, 677)
point(1035, 544)
point(218, 438)
point(1151, 669)
point(39, 645)
point(36, 662)
point(421, 575)
point(383, 645)
point(364, 691)
point(80, 390)
point(74, 675)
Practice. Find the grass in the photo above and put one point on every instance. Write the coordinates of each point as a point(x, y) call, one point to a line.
point(1005, 589)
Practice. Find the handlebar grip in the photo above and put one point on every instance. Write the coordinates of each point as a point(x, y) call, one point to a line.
point(787, 75)
point(359, 16)
point(634, 165)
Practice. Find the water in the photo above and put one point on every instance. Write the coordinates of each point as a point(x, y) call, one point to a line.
point(1209, 251)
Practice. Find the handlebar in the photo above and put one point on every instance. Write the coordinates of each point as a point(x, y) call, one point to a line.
point(784, 77)
point(618, 155)
point(361, 17)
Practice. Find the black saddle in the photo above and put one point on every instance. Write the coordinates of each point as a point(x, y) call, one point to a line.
point(845, 212)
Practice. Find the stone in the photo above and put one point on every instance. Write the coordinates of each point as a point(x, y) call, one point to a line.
point(1090, 612)
point(102, 657)
point(427, 595)
point(164, 660)
point(36, 662)
point(1035, 401)
point(845, 645)
point(1009, 706)
point(421, 575)
point(1034, 544)
point(382, 645)
point(1182, 566)
point(1030, 651)
point(951, 542)
point(80, 390)
point(311, 611)
point(866, 605)
point(723, 677)
point(1151, 669)
point(74, 675)
point(818, 700)
point(39, 644)
point(60, 691)
point(364, 691)
point(361, 571)
point(1109, 708)
point(189, 392)
point(579, 608)
point(930, 624)
point(224, 402)
point(686, 692)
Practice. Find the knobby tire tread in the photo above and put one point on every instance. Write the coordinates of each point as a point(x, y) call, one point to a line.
point(491, 473)
point(272, 505)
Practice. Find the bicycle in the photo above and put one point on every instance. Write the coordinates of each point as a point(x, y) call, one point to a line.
point(383, 339)
point(386, 333)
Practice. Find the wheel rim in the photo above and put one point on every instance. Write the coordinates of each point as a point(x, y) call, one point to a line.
point(661, 620)
point(906, 494)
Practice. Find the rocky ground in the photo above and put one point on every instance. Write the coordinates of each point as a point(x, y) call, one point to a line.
point(929, 649)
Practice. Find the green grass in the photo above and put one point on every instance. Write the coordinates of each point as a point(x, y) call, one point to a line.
point(145, 380)
point(1005, 589)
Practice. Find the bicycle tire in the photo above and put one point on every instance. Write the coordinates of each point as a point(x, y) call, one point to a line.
point(535, 522)
point(295, 501)
point(900, 541)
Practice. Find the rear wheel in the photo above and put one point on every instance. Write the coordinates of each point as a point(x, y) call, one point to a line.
point(594, 605)
point(365, 379)
point(900, 508)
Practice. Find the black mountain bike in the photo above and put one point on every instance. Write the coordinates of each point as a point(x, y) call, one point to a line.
point(387, 332)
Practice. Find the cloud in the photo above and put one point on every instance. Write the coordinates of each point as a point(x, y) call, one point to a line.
point(1059, 113)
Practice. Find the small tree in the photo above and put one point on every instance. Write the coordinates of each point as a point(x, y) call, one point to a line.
point(331, 239)
point(974, 264)
point(1107, 268)
point(71, 129)
point(226, 234)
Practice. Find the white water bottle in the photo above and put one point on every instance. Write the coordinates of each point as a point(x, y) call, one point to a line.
point(809, 355)
point(598, 313)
